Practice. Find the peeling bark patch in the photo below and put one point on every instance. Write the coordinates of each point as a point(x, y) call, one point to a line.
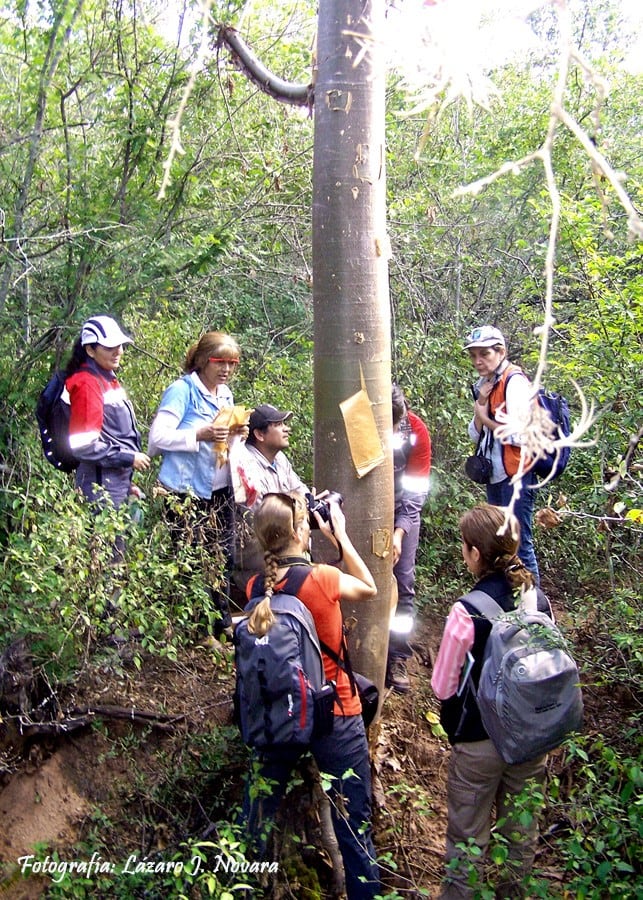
point(339, 101)
point(383, 247)
point(381, 542)
point(361, 164)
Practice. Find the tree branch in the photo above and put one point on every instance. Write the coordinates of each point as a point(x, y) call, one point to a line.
point(83, 717)
point(285, 91)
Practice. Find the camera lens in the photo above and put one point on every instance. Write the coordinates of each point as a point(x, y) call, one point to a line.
point(321, 506)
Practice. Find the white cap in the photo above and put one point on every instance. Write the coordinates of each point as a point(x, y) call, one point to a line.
point(485, 336)
point(104, 331)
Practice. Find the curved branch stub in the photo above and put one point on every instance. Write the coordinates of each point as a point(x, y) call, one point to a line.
point(269, 83)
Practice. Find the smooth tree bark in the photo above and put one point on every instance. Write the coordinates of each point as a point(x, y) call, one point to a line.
point(350, 284)
point(350, 292)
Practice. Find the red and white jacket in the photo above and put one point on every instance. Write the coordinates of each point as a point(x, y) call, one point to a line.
point(412, 467)
point(102, 426)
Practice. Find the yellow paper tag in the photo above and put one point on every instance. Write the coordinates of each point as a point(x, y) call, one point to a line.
point(361, 430)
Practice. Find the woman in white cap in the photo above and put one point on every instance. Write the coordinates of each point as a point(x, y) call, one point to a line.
point(102, 427)
point(502, 388)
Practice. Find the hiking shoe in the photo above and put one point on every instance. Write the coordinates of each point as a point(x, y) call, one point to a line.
point(397, 676)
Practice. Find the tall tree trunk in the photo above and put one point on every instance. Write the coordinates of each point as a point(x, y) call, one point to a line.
point(350, 291)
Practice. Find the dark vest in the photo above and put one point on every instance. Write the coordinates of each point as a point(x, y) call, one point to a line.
point(459, 716)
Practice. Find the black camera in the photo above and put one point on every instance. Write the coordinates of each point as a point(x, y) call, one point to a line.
point(478, 468)
point(321, 506)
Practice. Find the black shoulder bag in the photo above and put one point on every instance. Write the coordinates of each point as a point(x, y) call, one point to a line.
point(478, 467)
point(360, 684)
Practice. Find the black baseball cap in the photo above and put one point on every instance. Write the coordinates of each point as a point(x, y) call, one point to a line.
point(265, 415)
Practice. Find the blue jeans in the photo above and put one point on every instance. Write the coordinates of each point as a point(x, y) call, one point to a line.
point(500, 495)
point(346, 748)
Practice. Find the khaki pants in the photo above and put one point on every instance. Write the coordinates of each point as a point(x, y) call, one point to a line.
point(479, 779)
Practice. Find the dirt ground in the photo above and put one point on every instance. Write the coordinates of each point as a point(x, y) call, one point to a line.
point(60, 791)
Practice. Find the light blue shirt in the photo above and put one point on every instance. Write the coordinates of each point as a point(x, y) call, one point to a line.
point(194, 470)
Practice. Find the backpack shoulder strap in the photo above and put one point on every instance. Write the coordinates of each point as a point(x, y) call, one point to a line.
point(505, 376)
point(296, 576)
point(484, 604)
point(313, 662)
point(293, 581)
point(342, 660)
point(287, 601)
point(282, 602)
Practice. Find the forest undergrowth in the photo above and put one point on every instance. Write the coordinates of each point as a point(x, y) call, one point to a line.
point(147, 785)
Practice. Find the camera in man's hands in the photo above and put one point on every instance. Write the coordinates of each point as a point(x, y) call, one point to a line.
point(322, 506)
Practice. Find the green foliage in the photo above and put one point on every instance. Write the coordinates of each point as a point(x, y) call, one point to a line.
point(198, 869)
point(600, 851)
point(421, 802)
point(611, 627)
point(279, 371)
point(61, 587)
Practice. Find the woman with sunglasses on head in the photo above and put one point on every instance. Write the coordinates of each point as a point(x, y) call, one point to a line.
point(282, 526)
point(185, 432)
point(102, 426)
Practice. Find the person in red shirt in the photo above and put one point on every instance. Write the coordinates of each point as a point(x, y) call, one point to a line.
point(283, 528)
point(412, 467)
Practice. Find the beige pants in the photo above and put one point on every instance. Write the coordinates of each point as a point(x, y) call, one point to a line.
point(479, 779)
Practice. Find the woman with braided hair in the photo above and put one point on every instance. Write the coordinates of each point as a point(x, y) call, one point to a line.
point(479, 779)
point(283, 528)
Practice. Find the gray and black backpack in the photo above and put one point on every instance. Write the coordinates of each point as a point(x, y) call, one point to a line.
point(529, 693)
point(281, 694)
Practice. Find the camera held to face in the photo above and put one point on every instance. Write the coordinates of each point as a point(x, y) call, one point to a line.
point(321, 506)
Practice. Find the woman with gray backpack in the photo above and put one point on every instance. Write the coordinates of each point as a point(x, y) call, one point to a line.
point(491, 761)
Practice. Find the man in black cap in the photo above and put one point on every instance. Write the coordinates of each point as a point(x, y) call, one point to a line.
point(271, 471)
point(266, 470)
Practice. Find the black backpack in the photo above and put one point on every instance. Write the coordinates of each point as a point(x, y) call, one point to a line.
point(53, 413)
point(281, 693)
point(552, 463)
